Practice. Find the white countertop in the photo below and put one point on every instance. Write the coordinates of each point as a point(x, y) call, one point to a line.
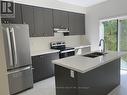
point(84, 64)
point(41, 52)
point(47, 51)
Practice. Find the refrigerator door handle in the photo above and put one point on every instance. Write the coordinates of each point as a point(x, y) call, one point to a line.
point(14, 45)
point(10, 47)
point(19, 70)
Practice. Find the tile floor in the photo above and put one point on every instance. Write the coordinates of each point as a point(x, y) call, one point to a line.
point(47, 87)
point(122, 89)
point(123, 65)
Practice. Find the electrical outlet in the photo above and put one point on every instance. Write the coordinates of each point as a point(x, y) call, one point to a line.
point(72, 74)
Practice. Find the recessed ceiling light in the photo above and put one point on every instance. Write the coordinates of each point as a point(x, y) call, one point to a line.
point(83, 3)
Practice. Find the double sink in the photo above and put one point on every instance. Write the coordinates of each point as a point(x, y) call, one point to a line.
point(95, 54)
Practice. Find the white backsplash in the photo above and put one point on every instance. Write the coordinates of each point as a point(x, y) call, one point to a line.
point(76, 40)
point(43, 43)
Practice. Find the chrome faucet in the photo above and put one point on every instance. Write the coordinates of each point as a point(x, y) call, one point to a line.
point(102, 50)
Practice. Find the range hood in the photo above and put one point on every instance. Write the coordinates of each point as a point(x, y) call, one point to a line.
point(61, 30)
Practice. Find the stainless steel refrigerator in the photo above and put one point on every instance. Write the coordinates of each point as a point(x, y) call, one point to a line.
point(18, 59)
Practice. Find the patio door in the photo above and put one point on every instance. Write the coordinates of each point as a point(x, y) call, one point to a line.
point(111, 34)
point(122, 41)
point(115, 36)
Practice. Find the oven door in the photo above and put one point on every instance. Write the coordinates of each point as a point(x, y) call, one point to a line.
point(67, 53)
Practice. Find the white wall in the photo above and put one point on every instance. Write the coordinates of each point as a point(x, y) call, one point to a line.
point(53, 4)
point(106, 10)
point(4, 90)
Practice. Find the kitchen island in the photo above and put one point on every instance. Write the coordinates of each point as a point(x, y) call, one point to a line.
point(80, 75)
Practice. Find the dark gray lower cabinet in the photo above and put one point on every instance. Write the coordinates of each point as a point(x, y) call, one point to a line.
point(43, 67)
point(99, 81)
point(65, 85)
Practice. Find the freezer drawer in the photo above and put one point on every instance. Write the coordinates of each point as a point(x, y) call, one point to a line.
point(20, 80)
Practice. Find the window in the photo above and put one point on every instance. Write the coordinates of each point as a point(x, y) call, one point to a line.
point(115, 36)
point(110, 34)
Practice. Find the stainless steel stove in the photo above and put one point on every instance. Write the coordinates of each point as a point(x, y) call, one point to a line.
point(64, 51)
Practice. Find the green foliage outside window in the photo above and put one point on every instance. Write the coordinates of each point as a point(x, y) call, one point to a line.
point(110, 34)
point(123, 37)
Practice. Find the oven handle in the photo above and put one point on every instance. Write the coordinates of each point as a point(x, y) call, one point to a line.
point(66, 51)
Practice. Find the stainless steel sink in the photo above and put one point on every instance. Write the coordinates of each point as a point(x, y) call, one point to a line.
point(95, 54)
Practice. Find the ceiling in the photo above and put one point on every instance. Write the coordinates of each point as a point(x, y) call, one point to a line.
point(83, 3)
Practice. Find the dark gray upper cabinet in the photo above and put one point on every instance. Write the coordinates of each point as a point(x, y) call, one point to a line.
point(76, 23)
point(60, 19)
point(43, 22)
point(15, 20)
point(28, 18)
